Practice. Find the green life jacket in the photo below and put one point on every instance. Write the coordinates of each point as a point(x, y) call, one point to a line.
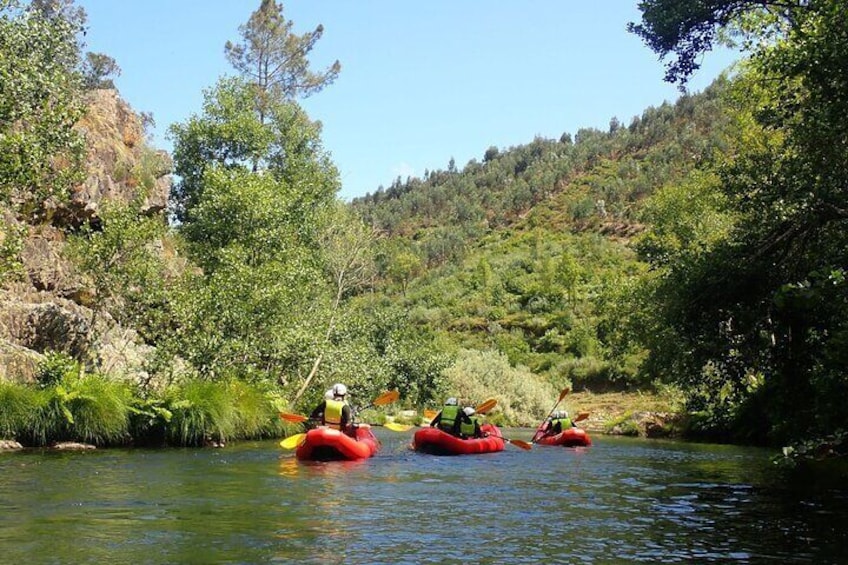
point(467, 428)
point(447, 421)
point(333, 414)
point(564, 423)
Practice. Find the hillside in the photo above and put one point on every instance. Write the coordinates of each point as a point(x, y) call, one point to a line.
point(526, 252)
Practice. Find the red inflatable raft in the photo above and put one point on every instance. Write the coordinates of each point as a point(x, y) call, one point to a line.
point(571, 437)
point(437, 442)
point(327, 444)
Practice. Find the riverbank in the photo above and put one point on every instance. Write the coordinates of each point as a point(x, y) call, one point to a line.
point(626, 413)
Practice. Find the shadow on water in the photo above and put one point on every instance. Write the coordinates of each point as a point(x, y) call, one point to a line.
point(620, 501)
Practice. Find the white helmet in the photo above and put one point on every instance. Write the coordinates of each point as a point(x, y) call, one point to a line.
point(329, 394)
point(451, 402)
point(469, 410)
point(339, 390)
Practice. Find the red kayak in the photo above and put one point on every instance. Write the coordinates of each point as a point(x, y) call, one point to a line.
point(571, 437)
point(437, 442)
point(327, 444)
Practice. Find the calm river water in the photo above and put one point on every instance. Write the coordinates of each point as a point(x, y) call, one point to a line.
point(619, 501)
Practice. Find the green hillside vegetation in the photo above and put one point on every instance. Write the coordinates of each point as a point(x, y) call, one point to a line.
point(538, 273)
point(698, 250)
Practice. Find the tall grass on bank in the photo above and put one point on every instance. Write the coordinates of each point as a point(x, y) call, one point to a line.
point(212, 411)
point(68, 405)
point(17, 404)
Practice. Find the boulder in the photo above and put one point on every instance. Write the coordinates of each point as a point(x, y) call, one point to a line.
point(72, 446)
point(18, 364)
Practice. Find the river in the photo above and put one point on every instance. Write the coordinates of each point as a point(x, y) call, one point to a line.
point(623, 500)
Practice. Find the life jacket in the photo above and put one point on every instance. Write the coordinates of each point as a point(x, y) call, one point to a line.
point(468, 428)
point(333, 413)
point(447, 421)
point(562, 424)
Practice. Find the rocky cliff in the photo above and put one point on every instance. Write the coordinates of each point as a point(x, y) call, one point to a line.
point(46, 310)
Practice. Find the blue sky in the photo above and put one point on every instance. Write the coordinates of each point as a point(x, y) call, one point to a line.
point(421, 81)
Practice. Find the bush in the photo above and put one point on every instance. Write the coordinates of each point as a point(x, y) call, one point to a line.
point(18, 403)
point(523, 398)
point(201, 411)
point(55, 367)
point(100, 410)
point(85, 408)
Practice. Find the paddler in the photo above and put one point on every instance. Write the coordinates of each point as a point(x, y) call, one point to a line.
point(451, 418)
point(335, 412)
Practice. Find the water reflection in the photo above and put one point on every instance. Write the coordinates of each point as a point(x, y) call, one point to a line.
point(620, 500)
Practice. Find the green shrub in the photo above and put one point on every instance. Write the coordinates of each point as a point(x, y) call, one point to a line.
point(100, 408)
point(55, 367)
point(256, 411)
point(17, 404)
point(86, 408)
point(201, 411)
point(149, 420)
point(523, 398)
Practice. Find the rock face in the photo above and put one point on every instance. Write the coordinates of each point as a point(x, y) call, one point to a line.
point(48, 309)
point(121, 167)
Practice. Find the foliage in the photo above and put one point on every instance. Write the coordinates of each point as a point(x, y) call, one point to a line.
point(41, 154)
point(475, 376)
point(104, 411)
point(757, 309)
point(98, 71)
point(689, 28)
point(121, 258)
point(11, 244)
point(255, 199)
point(70, 405)
point(56, 367)
point(219, 411)
point(274, 59)
point(19, 402)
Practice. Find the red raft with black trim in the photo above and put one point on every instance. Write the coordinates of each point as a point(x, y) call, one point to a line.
point(326, 444)
point(572, 437)
point(437, 442)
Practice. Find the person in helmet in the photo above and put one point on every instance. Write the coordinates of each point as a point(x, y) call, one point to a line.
point(451, 418)
point(560, 422)
point(556, 423)
point(471, 427)
point(334, 412)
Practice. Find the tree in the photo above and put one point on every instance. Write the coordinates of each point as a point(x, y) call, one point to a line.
point(688, 28)
point(761, 313)
point(255, 197)
point(231, 134)
point(347, 246)
point(41, 154)
point(98, 71)
point(121, 260)
point(274, 59)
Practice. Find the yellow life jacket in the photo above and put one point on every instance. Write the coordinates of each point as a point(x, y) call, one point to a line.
point(333, 414)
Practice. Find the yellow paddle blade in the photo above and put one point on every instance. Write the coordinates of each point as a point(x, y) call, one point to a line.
point(519, 443)
point(430, 414)
point(563, 394)
point(396, 427)
point(486, 406)
point(294, 418)
point(386, 398)
point(581, 416)
point(292, 441)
